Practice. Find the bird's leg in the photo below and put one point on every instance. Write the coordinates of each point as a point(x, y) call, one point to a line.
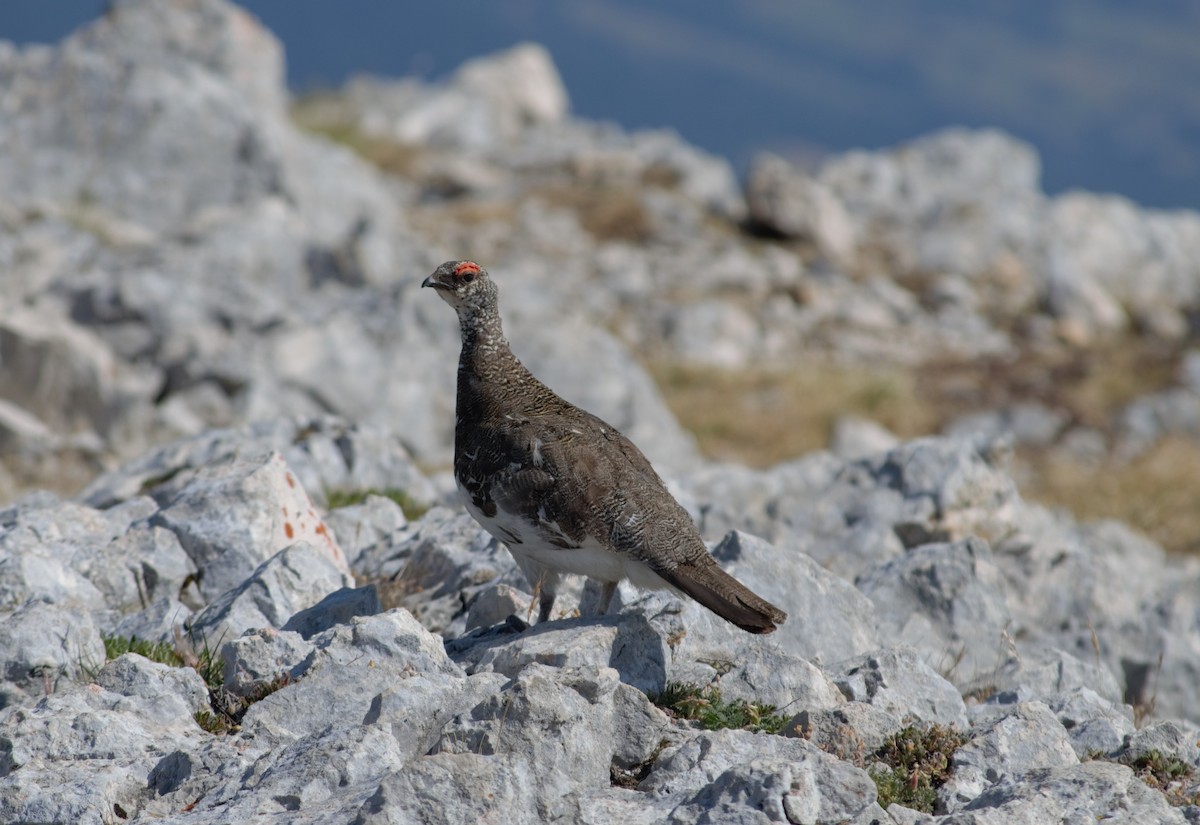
point(545, 588)
point(545, 604)
point(606, 596)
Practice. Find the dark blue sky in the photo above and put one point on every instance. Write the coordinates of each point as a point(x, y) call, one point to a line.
point(1108, 91)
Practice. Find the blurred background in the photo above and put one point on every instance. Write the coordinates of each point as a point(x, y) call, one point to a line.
point(1107, 91)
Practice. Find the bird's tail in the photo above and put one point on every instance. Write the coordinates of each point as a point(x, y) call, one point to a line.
point(726, 596)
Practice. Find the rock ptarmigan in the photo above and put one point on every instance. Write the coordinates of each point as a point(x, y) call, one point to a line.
point(563, 490)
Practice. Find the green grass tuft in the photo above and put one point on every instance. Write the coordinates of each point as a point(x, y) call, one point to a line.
point(161, 652)
point(706, 706)
point(226, 709)
point(413, 509)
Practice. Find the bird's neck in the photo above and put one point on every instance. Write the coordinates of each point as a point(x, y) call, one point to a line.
point(488, 372)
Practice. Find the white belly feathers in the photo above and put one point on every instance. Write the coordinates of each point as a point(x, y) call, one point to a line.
point(529, 542)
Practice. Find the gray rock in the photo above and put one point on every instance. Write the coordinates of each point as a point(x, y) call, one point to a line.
point(851, 731)
point(339, 607)
point(713, 332)
point(1044, 673)
point(239, 237)
point(454, 787)
point(1061, 574)
point(732, 497)
point(958, 201)
point(899, 682)
point(827, 618)
point(946, 601)
point(171, 693)
point(814, 788)
point(1189, 370)
point(1177, 739)
point(640, 729)
point(317, 778)
point(232, 516)
point(559, 724)
point(296, 578)
point(362, 526)
point(142, 566)
point(489, 101)
point(1176, 619)
point(46, 646)
point(442, 560)
point(1087, 792)
point(324, 453)
point(773, 677)
point(689, 766)
point(853, 438)
point(724, 775)
point(852, 517)
point(395, 636)
point(1142, 262)
point(64, 375)
point(1174, 411)
point(384, 669)
point(65, 551)
point(618, 806)
point(496, 603)
point(160, 622)
point(1093, 724)
point(784, 200)
point(952, 486)
point(907, 816)
point(34, 456)
point(1030, 424)
point(212, 78)
point(629, 644)
point(261, 656)
point(87, 744)
point(1028, 738)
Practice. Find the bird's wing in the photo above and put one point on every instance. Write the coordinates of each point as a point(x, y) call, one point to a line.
point(580, 478)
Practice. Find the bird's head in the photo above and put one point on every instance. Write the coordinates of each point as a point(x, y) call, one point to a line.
point(464, 285)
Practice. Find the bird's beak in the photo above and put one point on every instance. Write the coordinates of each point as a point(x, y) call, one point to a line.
point(430, 282)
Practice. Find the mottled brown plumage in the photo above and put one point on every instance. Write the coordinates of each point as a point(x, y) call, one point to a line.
point(563, 490)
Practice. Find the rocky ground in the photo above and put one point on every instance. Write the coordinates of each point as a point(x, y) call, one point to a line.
point(235, 585)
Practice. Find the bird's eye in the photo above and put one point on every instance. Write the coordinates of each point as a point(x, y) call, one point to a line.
point(467, 277)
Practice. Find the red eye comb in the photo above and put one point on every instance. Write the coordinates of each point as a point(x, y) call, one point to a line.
point(465, 267)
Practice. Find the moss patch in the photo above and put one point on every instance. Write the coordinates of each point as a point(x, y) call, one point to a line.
point(913, 764)
point(228, 709)
point(706, 706)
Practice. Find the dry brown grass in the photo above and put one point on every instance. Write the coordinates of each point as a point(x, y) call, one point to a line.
point(318, 117)
point(1089, 384)
point(762, 416)
point(392, 590)
point(609, 213)
point(386, 155)
point(1157, 492)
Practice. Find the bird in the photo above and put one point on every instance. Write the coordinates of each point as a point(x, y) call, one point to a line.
point(563, 490)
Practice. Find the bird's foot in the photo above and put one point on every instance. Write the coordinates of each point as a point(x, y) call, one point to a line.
point(516, 624)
